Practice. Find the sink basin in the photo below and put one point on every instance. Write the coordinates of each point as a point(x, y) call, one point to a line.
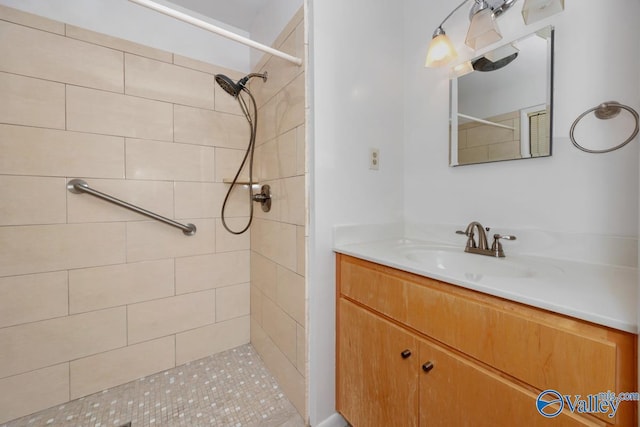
point(473, 266)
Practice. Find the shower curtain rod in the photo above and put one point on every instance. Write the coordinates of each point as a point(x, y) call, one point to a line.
point(217, 30)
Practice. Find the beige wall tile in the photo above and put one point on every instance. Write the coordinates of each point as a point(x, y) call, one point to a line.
point(282, 112)
point(24, 394)
point(108, 113)
point(47, 152)
point(169, 161)
point(256, 304)
point(153, 79)
point(277, 158)
point(114, 285)
point(33, 297)
point(238, 202)
point(211, 271)
point(31, 102)
point(226, 242)
point(168, 316)
point(301, 251)
point(264, 275)
point(226, 103)
point(281, 72)
point(280, 327)
point(206, 67)
point(32, 200)
point(101, 371)
point(36, 345)
point(462, 139)
point(484, 135)
point(301, 148)
point(29, 20)
point(212, 339)
point(232, 301)
point(49, 56)
point(291, 294)
point(117, 43)
point(289, 378)
point(292, 200)
point(148, 240)
point(276, 241)
point(291, 103)
point(155, 196)
point(266, 160)
point(473, 155)
point(227, 163)
point(204, 200)
point(41, 248)
point(206, 127)
point(267, 119)
point(301, 340)
point(505, 150)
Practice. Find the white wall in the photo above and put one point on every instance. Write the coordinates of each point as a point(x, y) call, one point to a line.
point(269, 23)
point(571, 191)
point(356, 103)
point(126, 20)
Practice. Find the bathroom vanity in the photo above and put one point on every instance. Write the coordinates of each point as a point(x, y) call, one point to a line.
point(416, 351)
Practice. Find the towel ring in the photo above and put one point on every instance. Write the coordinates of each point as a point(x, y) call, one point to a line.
point(605, 111)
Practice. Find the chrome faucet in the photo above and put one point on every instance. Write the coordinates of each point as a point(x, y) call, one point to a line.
point(482, 246)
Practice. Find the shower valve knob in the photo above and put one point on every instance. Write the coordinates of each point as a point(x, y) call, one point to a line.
point(264, 198)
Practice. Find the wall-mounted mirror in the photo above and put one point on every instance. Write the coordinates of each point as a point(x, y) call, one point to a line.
point(501, 109)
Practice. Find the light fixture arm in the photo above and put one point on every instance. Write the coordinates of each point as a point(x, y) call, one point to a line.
point(439, 30)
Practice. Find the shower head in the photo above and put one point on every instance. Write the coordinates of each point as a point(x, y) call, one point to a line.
point(227, 84)
point(234, 89)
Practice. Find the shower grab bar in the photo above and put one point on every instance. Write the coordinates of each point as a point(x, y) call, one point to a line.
point(77, 186)
point(216, 30)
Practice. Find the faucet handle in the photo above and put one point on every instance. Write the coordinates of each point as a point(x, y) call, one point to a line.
point(496, 237)
point(462, 232)
point(496, 247)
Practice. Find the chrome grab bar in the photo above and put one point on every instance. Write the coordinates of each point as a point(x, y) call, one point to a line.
point(77, 186)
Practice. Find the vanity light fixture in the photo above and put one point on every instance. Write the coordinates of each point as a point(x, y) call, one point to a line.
point(483, 29)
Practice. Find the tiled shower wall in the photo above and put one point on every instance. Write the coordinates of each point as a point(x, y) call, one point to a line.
point(278, 292)
point(92, 295)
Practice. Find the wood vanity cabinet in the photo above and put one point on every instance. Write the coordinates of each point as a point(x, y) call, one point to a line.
point(412, 351)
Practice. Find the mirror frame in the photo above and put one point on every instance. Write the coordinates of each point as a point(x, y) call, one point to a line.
point(453, 106)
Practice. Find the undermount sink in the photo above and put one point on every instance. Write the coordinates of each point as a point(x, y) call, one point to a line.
point(473, 266)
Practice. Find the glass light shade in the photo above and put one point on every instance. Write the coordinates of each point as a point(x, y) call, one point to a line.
point(462, 69)
point(441, 51)
point(535, 10)
point(483, 30)
point(502, 52)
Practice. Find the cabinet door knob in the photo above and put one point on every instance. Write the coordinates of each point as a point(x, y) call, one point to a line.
point(405, 353)
point(427, 366)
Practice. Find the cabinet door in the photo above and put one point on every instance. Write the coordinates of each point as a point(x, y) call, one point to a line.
point(456, 391)
point(377, 385)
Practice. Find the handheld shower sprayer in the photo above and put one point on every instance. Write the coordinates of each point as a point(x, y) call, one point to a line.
point(235, 90)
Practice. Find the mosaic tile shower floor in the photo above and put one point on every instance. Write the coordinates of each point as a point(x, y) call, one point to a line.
point(229, 389)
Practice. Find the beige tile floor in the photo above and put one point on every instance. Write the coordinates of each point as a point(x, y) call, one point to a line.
point(230, 389)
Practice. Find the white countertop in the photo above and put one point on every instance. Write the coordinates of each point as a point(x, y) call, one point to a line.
point(602, 294)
